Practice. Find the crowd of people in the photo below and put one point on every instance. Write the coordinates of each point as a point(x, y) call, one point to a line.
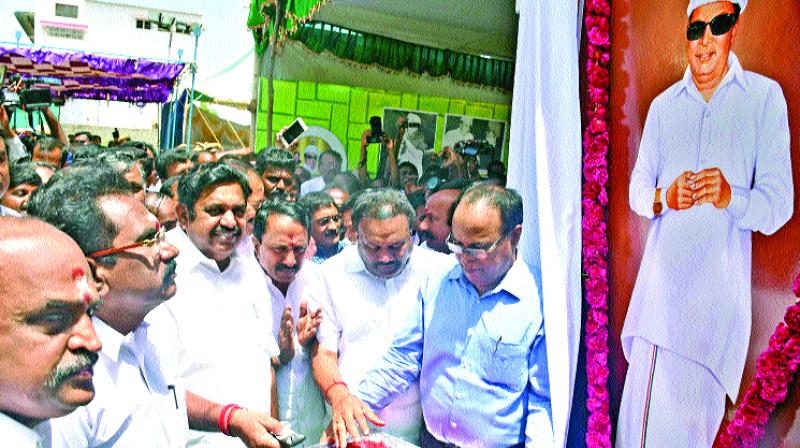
point(200, 297)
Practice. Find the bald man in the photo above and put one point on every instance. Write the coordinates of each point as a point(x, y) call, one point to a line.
point(47, 342)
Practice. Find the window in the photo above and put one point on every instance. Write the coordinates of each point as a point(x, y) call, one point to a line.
point(65, 10)
point(143, 24)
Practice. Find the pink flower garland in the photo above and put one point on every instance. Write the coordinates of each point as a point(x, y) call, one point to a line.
point(775, 369)
point(595, 241)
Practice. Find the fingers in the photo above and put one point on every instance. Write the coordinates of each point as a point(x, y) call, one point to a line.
point(351, 428)
point(373, 417)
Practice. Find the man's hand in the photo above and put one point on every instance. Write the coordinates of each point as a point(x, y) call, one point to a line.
point(679, 194)
point(255, 429)
point(349, 415)
point(710, 186)
point(307, 324)
point(285, 339)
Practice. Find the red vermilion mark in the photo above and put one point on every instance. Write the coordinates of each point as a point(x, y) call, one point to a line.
point(77, 272)
point(87, 298)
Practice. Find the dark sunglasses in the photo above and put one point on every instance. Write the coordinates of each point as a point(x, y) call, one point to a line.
point(720, 24)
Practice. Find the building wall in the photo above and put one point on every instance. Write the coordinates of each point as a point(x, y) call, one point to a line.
point(346, 110)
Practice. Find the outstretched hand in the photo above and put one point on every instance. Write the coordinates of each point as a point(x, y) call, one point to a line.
point(350, 416)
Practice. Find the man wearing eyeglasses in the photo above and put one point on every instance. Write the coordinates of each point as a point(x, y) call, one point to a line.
point(280, 236)
point(474, 340)
point(325, 224)
point(713, 167)
point(364, 293)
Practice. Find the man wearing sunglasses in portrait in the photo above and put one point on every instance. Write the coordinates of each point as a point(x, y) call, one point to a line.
point(475, 339)
point(713, 167)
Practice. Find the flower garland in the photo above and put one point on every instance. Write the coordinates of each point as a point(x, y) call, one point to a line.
point(775, 369)
point(595, 240)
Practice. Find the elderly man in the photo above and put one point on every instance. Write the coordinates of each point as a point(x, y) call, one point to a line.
point(276, 167)
point(221, 314)
point(713, 167)
point(329, 165)
point(281, 236)
point(365, 293)
point(475, 339)
point(47, 342)
point(325, 224)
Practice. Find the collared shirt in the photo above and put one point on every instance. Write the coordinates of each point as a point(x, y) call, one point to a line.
point(5, 211)
point(222, 327)
point(312, 185)
point(362, 313)
point(14, 433)
point(692, 295)
point(318, 258)
point(481, 361)
point(135, 403)
point(300, 401)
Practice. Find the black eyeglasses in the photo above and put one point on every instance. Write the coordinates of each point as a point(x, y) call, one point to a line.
point(720, 25)
point(324, 221)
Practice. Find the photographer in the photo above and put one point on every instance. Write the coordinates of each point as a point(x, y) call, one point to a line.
point(391, 157)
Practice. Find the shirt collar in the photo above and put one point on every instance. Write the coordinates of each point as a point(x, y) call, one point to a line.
point(518, 281)
point(190, 256)
point(17, 434)
point(735, 74)
point(5, 211)
point(113, 340)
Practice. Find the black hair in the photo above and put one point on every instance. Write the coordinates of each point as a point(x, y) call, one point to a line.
point(291, 209)
point(237, 163)
point(316, 200)
point(382, 203)
point(69, 201)
point(23, 173)
point(89, 151)
point(166, 186)
point(140, 151)
point(408, 164)
point(171, 157)
point(334, 154)
point(275, 158)
point(201, 177)
point(416, 198)
point(506, 200)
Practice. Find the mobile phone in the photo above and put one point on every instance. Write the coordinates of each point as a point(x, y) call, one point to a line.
point(376, 130)
point(293, 132)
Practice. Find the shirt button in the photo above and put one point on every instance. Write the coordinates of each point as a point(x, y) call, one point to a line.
point(453, 425)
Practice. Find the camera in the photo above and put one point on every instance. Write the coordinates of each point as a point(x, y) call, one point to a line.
point(18, 92)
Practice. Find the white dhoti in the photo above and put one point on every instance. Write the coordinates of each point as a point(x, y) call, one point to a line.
point(668, 400)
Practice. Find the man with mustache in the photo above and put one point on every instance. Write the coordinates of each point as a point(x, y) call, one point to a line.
point(47, 342)
point(713, 167)
point(435, 225)
point(276, 168)
point(325, 223)
point(280, 237)
point(365, 292)
point(137, 403)
point(221, 314)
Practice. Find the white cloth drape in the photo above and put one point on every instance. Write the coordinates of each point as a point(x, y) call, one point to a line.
point(545, 167)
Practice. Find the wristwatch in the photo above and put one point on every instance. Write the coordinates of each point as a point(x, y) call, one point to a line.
point(658, 206)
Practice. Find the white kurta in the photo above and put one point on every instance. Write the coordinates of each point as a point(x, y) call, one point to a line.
point(361, 315)
point(136, 403)
point(222, 327)
point(692, 295)
point(300, 401)
point(18, 435)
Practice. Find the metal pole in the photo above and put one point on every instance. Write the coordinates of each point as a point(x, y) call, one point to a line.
point(171, 117)
point(188, 137)
point(273, 42)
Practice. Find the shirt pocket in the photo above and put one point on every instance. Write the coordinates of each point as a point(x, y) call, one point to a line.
point(501, 363)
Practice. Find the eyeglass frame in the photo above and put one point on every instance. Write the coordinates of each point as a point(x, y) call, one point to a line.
point(149, 242)
point(693, 26)
point(474, 252)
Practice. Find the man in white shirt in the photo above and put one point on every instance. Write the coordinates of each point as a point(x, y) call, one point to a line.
point(280, 236)
point(221, 313)
point(365, 292)
point(47, 342)
point(329, 164)
point(713, 167)
point(137, 402)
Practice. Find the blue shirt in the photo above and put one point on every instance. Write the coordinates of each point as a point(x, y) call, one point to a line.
point(481, 362)
point(692, 294)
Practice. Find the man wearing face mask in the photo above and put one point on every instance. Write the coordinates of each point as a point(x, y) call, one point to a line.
point(713, 167)
point(365, 292)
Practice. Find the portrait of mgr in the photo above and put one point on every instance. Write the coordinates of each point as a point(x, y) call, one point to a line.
point(713, 166)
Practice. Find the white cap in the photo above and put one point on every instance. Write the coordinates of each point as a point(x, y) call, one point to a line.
point(413, 119)
point(311, 149)
point(693, 4)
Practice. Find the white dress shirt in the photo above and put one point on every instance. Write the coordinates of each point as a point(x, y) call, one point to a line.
point(300, 401)
point(6, 211)
point(135, 404)
point(362, 313)
point(312, 185)
point(692, 294)
point(14, 433)
point(223, 330)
